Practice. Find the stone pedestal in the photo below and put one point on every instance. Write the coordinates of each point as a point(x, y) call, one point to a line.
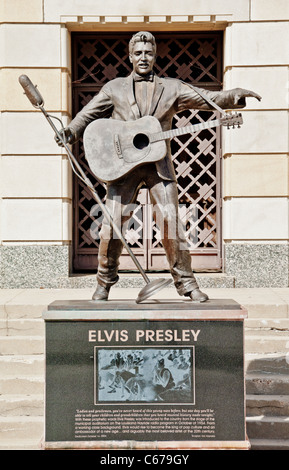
point(155, 375)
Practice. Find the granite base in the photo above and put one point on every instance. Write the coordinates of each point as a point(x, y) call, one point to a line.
point(155, 375)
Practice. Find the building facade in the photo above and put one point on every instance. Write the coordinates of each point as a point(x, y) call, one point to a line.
point(45, 39)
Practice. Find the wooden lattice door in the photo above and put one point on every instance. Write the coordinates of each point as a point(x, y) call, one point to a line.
point(195, 58)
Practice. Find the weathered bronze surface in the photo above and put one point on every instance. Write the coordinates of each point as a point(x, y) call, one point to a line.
point(129, 99)
point(63, 138)
point(130, 144)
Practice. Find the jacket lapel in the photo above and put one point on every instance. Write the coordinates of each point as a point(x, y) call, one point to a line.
point(158, 91)
point(131, 98)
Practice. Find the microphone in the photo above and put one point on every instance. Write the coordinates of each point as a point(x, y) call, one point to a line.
point(30, 91)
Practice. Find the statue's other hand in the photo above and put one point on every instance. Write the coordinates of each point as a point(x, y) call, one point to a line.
point(240, 96)
point(67, 136)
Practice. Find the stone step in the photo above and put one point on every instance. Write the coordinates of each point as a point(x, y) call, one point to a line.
point(15, 427)
point(20, 444)
point(22, 327)
point(22, 405)
point(22, 345)
point(267, 427)
point(266, 344)
point(18, 365)
point(267, 384)
point(274, 325)
point(30, 303)
point(269, 444)
point(267, 405)
point(28, 385)
point(272, 334)
point(267, 334)
point(274, 363)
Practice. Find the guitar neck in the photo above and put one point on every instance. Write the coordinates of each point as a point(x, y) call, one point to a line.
point(184, 130)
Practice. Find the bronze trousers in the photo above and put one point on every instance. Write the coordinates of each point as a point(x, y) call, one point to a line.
point(120, 200)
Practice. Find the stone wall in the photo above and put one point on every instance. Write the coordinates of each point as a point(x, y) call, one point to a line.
point(36, 179)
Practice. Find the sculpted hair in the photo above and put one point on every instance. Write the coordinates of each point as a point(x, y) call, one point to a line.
point(142, 36)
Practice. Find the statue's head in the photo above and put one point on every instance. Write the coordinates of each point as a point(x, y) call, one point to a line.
point(142, 36)
point(142, 52)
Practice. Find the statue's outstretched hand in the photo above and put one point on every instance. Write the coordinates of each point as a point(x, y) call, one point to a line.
point(240, 95)
point(67, 136)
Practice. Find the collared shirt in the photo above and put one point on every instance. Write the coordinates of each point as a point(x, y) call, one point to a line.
point(144, 89)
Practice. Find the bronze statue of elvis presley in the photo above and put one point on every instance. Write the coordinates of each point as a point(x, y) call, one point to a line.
point(143, 93)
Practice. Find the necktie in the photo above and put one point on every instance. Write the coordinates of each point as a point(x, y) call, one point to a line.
point(143, 78)
point(143, 96)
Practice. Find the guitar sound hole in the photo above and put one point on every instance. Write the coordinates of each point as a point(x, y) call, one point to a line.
point(141, 141)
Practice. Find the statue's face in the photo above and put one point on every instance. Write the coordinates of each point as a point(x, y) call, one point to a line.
point(142, 57)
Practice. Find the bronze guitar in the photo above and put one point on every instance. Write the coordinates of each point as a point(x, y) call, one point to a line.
point(113, 148)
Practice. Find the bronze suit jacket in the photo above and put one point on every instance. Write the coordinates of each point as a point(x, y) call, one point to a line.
point(117, 100)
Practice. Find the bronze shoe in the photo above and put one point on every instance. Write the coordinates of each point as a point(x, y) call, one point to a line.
point(198, 296)
point(101, 293)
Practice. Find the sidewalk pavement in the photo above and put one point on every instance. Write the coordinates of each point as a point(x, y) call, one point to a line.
point(260, 302)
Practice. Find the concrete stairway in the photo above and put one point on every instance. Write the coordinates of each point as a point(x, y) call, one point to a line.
point(21, 384)
point(267, 383)
point(22, 363)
